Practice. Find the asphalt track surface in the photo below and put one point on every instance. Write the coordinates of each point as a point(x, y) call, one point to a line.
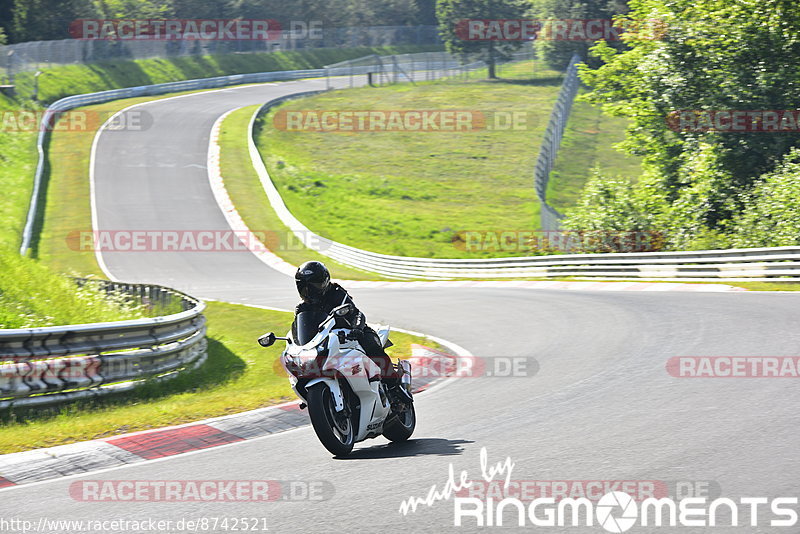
point(600, 407)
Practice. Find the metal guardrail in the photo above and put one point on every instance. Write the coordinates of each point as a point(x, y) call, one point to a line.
point(41, 366)
point(550, 217)
point(410, 62)
point(75, 101)
point(780, 263)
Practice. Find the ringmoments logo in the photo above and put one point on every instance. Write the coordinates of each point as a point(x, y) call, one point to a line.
point(615, 511)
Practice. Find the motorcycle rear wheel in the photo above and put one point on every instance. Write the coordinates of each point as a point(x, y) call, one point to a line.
point(334, 429)
point(401, 425)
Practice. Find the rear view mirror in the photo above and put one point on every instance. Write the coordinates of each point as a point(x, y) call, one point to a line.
point(267, 340)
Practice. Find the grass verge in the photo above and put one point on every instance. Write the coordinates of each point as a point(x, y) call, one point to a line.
point(58, 82)
point(767, 286)
point(244, 187)
point(31, 295)
point(239, 375)
point(588, 144)
point(18, 156)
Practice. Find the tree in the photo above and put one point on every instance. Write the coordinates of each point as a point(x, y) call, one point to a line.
point(453, 13)
point(715, 55)
point(134, 9)
point(35, 20)
point(558, 52)
point(6, 18)
point(426, 12)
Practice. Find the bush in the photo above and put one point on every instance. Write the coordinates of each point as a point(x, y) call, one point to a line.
point(771, 217)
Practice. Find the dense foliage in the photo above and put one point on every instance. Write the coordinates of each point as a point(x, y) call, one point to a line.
point(558, 52)
point(703, 188)
point(451, 15)
point(33, 20)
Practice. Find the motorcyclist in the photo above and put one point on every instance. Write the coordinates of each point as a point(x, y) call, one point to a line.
point(320, 296)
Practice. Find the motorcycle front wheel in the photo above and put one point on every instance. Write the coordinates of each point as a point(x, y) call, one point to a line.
point(334, 429)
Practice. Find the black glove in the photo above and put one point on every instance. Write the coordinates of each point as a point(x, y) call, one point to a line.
point(355, 334)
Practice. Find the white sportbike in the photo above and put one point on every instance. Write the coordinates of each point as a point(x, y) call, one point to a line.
point(341, 386)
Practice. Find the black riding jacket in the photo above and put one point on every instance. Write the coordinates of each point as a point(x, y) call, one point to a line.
point(335, 296)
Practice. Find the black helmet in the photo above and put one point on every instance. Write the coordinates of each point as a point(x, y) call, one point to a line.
point(312, 279)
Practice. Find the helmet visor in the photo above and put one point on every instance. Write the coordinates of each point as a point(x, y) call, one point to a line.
point(310, 291)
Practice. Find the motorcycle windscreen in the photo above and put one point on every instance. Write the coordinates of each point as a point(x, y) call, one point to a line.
point(306, 325)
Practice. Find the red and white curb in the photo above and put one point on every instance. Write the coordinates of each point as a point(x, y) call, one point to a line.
point(78, 458)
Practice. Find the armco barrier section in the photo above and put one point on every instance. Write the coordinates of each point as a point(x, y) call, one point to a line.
point(41, 366)
point(737, 264)
point(444, 63)
point(75, 101)
point(781, 263)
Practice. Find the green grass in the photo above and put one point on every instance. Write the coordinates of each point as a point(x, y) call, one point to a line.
point(58, 82)
point(766, 286)
point(18, 157)
point(588, 144)
point(409, 193)
point(239, 375)
point(31, 295)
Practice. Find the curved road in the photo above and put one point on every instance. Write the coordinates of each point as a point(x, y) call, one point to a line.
point(601, 407)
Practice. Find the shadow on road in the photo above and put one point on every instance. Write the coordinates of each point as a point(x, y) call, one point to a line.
point(412, 447)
